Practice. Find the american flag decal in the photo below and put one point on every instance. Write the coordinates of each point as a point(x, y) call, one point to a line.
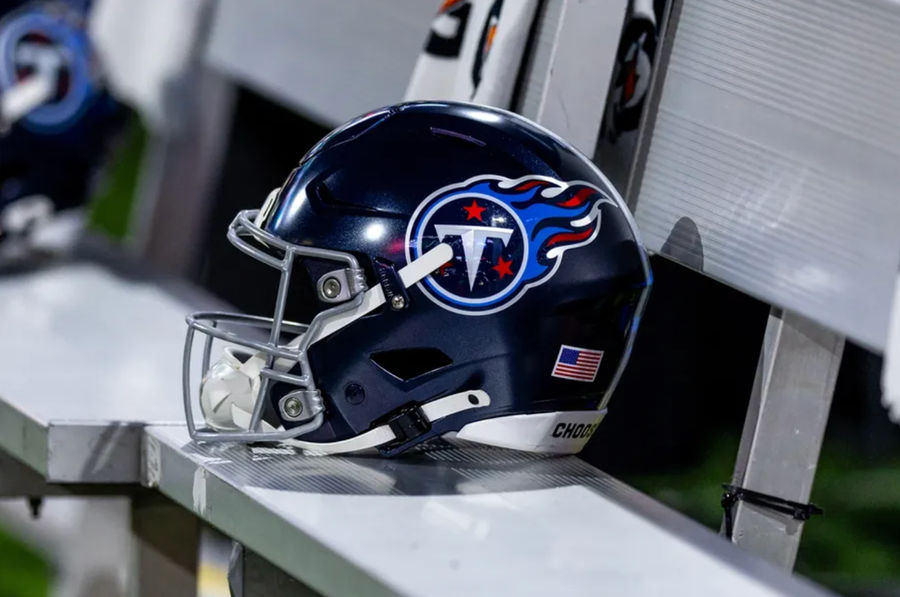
point(578, 364)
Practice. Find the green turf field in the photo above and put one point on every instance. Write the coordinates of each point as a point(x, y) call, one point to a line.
point(111, 205)
point(854, 548)
point(23, 572)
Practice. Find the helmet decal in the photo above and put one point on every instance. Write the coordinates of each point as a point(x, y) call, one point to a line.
point(33, 39)
point(507, 236)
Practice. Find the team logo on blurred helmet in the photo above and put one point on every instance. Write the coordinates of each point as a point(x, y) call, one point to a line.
point(34, 41)
point(507, 236)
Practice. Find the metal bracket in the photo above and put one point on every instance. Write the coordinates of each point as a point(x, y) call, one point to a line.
point(300, 405)
point(341, 285)
point(783, 432)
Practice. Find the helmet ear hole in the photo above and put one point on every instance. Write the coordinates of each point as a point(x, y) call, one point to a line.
point(406, 364)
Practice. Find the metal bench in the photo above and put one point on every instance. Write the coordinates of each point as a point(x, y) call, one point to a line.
point(448, 520)
point(801, 222)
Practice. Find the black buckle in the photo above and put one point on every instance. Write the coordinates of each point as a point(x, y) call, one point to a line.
point(394, 291)
point(407, 423)
point(734, 494)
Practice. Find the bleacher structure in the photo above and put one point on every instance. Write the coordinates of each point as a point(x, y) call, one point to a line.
point(766, 159)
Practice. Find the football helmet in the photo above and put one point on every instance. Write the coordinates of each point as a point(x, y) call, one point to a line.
point(48, 151)
point(457, 268)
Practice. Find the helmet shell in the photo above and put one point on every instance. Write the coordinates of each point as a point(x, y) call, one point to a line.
point(54, 149)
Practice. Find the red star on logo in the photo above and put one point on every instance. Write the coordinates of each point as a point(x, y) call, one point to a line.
point(473, 212)
point(442, 271)
point(503, 267)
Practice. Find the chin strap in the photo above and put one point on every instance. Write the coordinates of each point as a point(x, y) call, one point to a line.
point(404, 425)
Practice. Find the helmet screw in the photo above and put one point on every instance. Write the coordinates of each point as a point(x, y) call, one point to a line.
point(354, 393)
point(331, 288)
point(292, 407)
point(397, 302)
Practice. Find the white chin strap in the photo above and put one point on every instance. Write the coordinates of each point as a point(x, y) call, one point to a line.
point(383, 434)
point(229, 389)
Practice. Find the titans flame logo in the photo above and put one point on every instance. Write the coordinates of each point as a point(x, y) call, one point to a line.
point(507, 236)
point(52, 41)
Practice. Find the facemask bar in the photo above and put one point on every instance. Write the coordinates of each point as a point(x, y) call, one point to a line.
point(279, 357)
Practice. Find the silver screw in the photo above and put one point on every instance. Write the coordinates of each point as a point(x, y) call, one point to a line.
point(331, 288)
point(292, 407)
point(397, 302)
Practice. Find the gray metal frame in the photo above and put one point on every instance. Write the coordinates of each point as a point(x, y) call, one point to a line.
point(49, 450)
point(244, 493)
point(744, 177)
point(166, 537)
point(180, 161)
point(791, 396)
point(278, 356)
point(251, 575)
point(668, 26)
point(561, 91)
point(783, 432)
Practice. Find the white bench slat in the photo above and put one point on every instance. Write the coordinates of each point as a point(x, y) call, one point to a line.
point(778, 134)
point(328, 60)
point(461, 521)
point(88, 359)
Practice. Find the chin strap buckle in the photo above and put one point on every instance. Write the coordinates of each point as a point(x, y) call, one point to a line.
point(394, 289)
point(407, 423)
point(734, 494)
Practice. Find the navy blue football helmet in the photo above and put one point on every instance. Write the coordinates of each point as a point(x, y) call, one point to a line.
point(461, 269)
point(49, 153)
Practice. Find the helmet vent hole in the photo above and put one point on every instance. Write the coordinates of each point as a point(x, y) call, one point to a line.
point(409, 363)
point(473, 399)
point(326, 198)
